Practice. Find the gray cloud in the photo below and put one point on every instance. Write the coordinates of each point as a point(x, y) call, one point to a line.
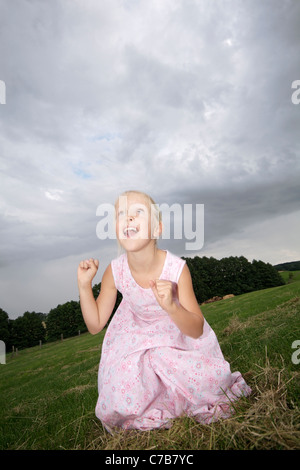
point(189, 101)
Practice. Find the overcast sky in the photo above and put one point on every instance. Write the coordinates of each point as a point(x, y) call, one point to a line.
point(187, 100)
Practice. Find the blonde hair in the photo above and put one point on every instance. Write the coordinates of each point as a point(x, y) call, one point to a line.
point(153, 208)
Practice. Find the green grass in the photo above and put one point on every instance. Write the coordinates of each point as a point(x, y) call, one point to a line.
point(248, 324)
point(290, 276)
point(48, 395)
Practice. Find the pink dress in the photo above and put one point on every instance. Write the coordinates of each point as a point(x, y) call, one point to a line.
point(150, 372)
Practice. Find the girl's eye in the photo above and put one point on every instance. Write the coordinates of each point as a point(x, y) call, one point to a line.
point(120, 213)
point(140, 211)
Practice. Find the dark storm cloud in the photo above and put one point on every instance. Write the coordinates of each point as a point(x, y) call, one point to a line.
point(188, 101)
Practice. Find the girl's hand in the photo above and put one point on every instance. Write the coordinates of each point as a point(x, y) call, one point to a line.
point(164, 294)
point(86, 271)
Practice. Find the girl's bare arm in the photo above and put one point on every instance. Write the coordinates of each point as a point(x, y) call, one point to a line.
point(96, 312)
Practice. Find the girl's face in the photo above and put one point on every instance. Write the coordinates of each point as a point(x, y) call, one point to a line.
point(133, 222)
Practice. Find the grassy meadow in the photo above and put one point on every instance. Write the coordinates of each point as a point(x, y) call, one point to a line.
point(48, 395)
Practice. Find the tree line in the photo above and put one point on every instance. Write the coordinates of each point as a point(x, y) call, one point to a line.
point(232, 275)
point(210, 277)
point(290, 266)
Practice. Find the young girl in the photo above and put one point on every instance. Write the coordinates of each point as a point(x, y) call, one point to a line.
point(160, 358)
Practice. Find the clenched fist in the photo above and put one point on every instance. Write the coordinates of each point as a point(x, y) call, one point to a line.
point(86, 271)
point(165, 293)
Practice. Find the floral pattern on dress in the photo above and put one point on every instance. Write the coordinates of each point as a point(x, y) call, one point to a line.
point(150, 372)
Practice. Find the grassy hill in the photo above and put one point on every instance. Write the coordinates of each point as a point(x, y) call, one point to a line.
point(48, 395)
point(290, 276)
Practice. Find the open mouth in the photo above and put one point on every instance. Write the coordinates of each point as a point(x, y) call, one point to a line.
point(130, 232)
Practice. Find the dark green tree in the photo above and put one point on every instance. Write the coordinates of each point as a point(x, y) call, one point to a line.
point(65, 320)
point(27, 331)
point(231, 275)
point(266, 275)
point(237, 276)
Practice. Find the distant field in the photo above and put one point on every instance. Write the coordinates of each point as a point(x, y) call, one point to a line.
point(290, 276)
point(48, 395)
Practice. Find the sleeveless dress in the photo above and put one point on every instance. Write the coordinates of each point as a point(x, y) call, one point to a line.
point(150, 372)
